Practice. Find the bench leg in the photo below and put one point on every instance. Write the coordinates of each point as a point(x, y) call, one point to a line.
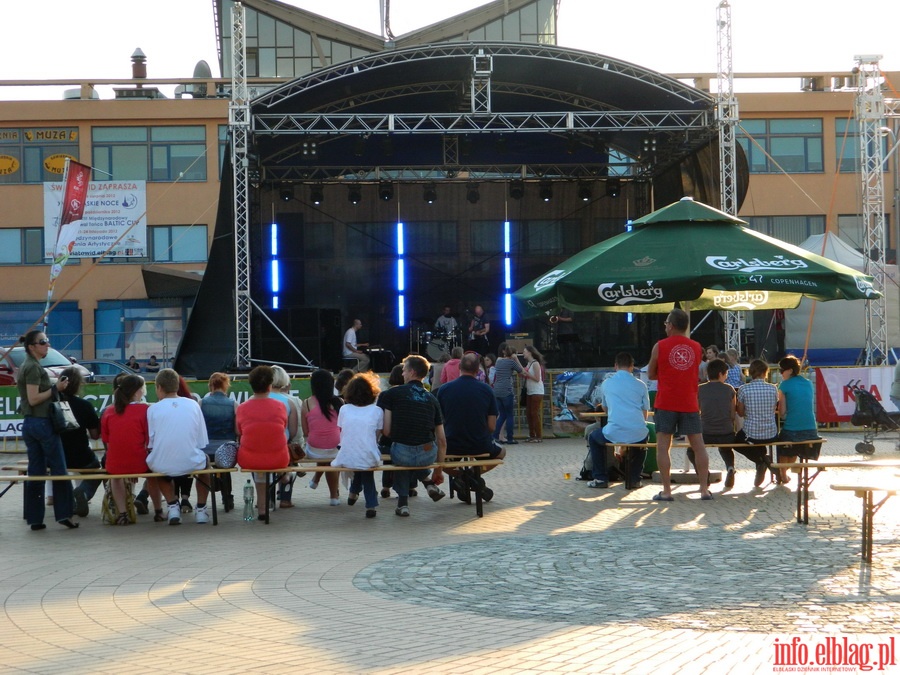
point(867, 523)
point(479, 494)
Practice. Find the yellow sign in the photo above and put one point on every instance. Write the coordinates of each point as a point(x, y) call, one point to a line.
point(57, 163)
point(8, 165)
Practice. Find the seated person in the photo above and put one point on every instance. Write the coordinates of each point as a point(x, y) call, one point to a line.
point(627, 403)
point(469, 408)
point(717, 401)
point(178, 437)
point(153, 365)
point(132, 363)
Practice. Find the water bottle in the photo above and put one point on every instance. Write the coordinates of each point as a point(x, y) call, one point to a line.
point(248, 502)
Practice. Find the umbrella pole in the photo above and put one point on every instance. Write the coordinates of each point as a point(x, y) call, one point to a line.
point(700, 323)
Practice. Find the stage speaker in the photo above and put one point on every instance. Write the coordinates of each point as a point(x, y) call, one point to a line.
point(518, 344)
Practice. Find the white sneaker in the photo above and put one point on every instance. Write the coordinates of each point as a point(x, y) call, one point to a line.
point(313, 485)
point(174, 514)
point(202, 515)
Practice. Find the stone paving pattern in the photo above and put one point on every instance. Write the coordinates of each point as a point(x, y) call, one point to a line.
point(556, 578)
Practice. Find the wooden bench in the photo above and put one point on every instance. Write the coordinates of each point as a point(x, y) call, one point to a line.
point(870, 508)
point(100, 474)
point(805, 479)
point(273, 475)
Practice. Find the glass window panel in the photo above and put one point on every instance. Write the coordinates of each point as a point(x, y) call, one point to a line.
point(806, 126)
point(266, 30)
point(318, 240)
point(850, 229)
point(187, 162)
point(339, 52)
point(284, 34)
point(32, 169)
point(302, 43)
point(285, 67)
point(487, 237)
point(434, 237)
point(493, 31)
point(371, 239)
point(789, 153)
point(102, 160)
point(129, 162)
point(529, 19)
point(189, 243)
point(160, 236)
point(160, 166)
point(34, 246)
point(10, 246)
point(119, 134)
point(251, 19)
point(178, 134)
point(814, 159)
point(266, 62)
point(754, 127)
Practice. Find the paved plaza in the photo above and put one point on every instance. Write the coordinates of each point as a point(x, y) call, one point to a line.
point(556, 578)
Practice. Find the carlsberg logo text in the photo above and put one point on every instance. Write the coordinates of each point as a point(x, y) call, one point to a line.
point(779, 264)
point(622, 295)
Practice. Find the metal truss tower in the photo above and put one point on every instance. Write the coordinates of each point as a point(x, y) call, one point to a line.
point(870, 117)
point(239, 125)
point(727, 119)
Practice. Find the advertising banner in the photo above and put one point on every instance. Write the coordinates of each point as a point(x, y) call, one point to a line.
point(115, 215)
point(834, 390)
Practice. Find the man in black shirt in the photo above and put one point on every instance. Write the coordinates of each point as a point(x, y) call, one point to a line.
point(413, 420)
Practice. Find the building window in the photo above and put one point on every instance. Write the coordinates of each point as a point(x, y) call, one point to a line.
point(22, 246)
point(178, 243)
point(371, 240)
point(792, 229)
point(788, 145)
point(437, 237)
point(846, 140)
point(36, 155)
point(156, 154)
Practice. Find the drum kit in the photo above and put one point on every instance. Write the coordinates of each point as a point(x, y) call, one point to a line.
point(433, 343)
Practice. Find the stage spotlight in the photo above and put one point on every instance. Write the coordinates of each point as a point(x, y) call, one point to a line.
point(385, 192)
point(584, 192)
point(430, 193)
point(546, 193)
point(613, 187)
point(472, 194)
point(354, 194)
point(316, 196)
point(516, 189)
point(286, 193)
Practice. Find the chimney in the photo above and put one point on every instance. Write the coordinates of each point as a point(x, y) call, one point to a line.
point(138, 65)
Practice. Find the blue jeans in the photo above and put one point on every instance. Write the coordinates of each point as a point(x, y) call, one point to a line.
point(45, 451)
point(507, 414)
point(410, 455)
point(364, 481)
point(599, 469)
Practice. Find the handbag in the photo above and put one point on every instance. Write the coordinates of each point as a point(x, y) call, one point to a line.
point(61, 416)
point(523, 397)
point(226, 455)
point(296, 451)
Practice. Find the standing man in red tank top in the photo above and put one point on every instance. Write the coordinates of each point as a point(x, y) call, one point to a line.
point(674, 363)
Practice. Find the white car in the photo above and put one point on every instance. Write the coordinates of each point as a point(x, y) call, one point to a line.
point(54, 363)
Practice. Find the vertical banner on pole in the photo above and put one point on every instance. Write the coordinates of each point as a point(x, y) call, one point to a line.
point(77, 181)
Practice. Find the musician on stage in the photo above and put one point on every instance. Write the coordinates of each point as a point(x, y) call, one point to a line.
point(479, 327)
point(352, 348)
point(446, 323)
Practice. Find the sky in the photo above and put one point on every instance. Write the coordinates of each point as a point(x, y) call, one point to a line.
point(62, 39)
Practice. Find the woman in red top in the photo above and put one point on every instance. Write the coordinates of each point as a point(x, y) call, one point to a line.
point(123, 428)
point(261, 423)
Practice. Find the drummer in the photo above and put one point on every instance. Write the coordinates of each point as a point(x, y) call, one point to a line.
point(446, 324)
